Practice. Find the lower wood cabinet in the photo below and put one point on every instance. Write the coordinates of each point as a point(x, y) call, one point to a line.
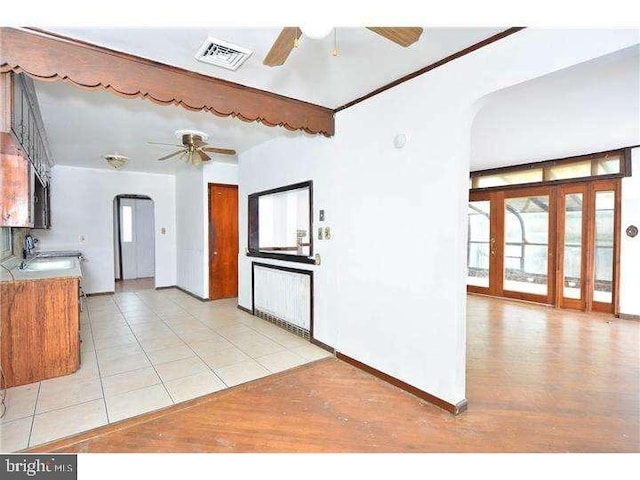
point(40, 329)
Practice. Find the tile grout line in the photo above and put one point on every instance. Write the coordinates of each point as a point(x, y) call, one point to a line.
point(188, 313)
point(33, 418)
point(95, 352)
point(145, 352)
point(194, 352)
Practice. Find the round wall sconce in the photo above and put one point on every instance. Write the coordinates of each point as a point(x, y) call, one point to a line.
point(400, 140)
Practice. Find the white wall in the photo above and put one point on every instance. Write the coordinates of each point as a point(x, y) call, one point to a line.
point(390, 291)
point(189, 230)
point(630, 247)
point(193, 221)
point(82, 204)
point(588, 108)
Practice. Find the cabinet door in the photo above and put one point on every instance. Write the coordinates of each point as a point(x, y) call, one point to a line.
point(16, 209)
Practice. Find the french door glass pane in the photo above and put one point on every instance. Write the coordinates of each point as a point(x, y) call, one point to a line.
point(572, 280)
point(526, 248)
point(604, 225)
point(478, 248)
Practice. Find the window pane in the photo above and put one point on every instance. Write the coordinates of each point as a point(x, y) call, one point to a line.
point(572, 245)
point(510, 178)
point(284, 222)
point(127, 224)
point(604, 223)
point(526, 244)
point(478, 244)
point(607, 166)
point(6, 242)
point(570, 170)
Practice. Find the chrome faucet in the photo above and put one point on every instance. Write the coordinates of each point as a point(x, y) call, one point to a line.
point(27, 252)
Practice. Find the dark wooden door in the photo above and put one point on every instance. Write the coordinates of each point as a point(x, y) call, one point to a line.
point(223, 241)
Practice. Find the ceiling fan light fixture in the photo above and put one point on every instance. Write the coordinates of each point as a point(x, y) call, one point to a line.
point(116, 161)
point(316, 32)
point(197, 133)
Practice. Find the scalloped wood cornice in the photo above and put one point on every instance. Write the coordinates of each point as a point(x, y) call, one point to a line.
point(48, 57)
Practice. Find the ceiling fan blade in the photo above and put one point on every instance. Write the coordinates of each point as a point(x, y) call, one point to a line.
point(170, 144)
point(282, 47)
point(198, 142)
point(403, 36)
point(171, 155)
point(222, 151)
point(203, 156)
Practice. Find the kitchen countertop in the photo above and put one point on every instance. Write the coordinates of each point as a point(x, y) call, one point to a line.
point(12, 264)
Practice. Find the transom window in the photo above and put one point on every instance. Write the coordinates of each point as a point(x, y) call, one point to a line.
point(612, 164)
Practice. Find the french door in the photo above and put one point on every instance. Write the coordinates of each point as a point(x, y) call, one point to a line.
point(551, 244)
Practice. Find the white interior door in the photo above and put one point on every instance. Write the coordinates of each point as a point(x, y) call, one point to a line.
point(137, 238)
point(144, 239)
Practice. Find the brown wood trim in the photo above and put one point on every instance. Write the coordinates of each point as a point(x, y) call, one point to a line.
point(454, 409)
point(245, 309)
point(550, 183)
point(192, 294)
point(556, 161)
point(253, 230)
point(286, 257)
point(626, 160)
point(183, 291)
point(50, 57)
point(324, 346)
point(432, 66)
point(617, 226)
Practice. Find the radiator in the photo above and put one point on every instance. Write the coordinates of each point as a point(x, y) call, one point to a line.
point(283, 296)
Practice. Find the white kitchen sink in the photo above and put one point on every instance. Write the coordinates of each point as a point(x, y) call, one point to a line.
point(40, 265)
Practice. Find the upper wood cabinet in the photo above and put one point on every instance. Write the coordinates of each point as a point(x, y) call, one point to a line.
point(25, 162)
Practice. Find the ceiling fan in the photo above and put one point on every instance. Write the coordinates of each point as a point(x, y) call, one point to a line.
point(289, 37)
point(194, 148)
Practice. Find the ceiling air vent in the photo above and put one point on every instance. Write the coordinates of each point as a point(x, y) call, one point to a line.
point(223, 54)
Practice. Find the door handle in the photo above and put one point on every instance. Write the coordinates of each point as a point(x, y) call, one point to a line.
point(492, 246)
point(215, 253)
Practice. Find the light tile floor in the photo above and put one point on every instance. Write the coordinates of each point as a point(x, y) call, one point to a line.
point(146, 350)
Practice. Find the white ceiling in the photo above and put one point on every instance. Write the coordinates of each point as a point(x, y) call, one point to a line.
point(365, 62)
point(589, 107)
point(83, 126)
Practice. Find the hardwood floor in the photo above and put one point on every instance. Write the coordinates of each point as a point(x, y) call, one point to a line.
point(538, 380)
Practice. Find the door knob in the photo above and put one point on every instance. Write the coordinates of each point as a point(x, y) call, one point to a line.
point(215, 253)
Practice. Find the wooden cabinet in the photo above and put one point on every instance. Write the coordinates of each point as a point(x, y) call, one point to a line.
point(17, 179)
point(40, 329)
point(41, 206)
point(24, 156)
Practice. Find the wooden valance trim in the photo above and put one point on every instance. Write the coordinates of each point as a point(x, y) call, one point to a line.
point(48, 57)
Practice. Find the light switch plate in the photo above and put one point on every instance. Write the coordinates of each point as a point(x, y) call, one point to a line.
point(322, 215)
point(320, 230)
point(327, 233)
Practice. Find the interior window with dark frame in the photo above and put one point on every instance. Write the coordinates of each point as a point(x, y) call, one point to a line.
point(603, 165)
point(280, 223)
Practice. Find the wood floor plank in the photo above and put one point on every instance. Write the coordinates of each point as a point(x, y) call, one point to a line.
point(538, 380)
